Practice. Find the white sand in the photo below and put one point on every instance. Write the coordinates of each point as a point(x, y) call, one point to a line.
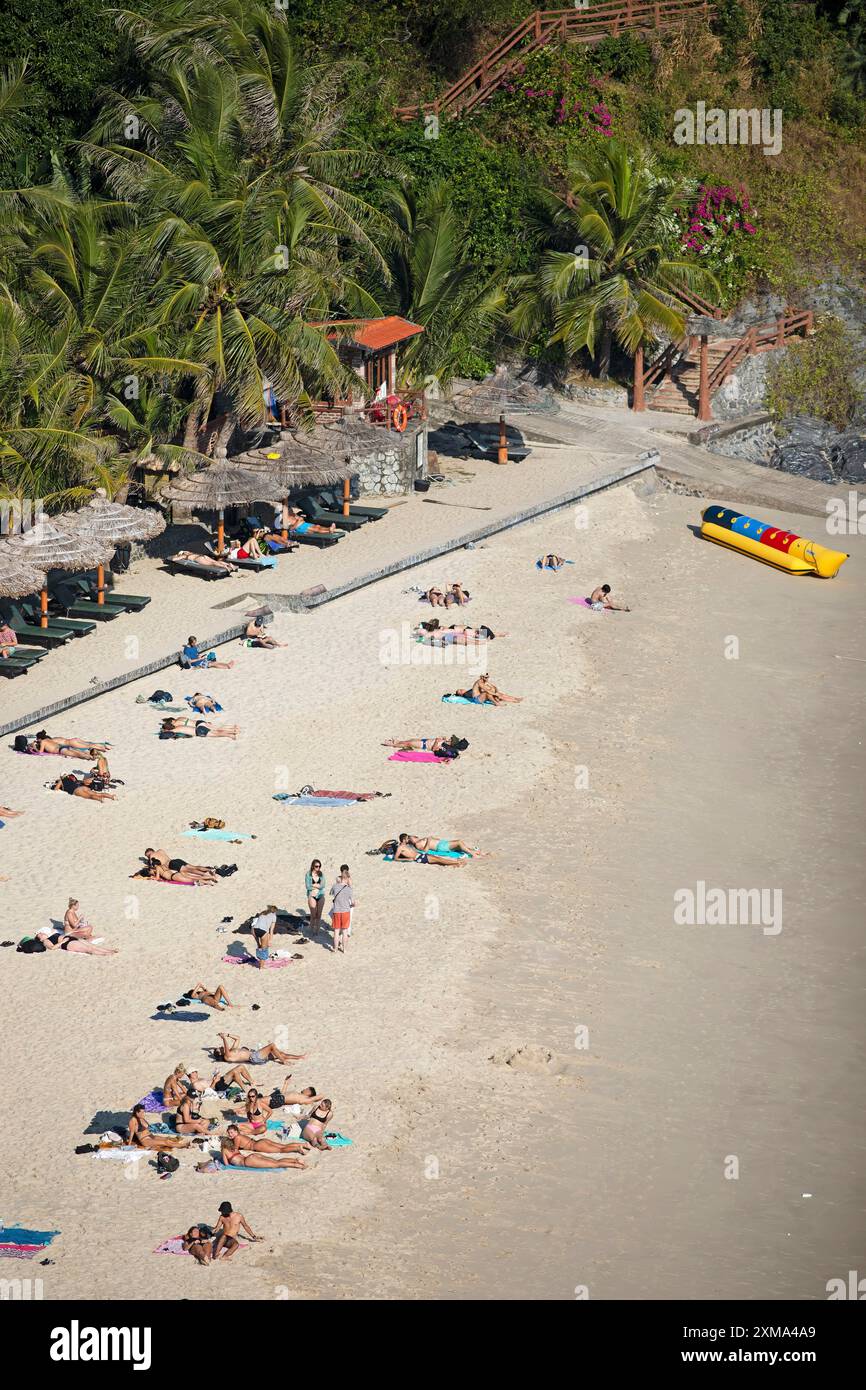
point(604, 1168)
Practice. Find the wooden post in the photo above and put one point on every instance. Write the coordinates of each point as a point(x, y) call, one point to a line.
point(704, 412)
point(346, 495)
point(780, 330)
point(638, 396)
point(537, 18)
point(43, 606)
point(751, 343)
point(100, 584)
point(502, 455)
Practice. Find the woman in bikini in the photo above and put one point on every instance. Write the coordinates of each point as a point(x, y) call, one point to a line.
point(233, 1051)
point(158, 858)
point(78, 786)
point(188, 1120)
point(209, 561)
point(6, 813)
point(173, 1088)
point(76, 947)
point(301, 526)
point(67, 747)
point(428, 745)
point(214, 998)
point(198, 1245)
point(313, 1131)
point(263, 1146)
point(74, 925)
point(402, 849)
point(314, 882)
point(157, 873)
point(257, 1113)
point(437, 846)
point(203, 704)
point(235, 1157)
point(138, 1133)
point(484, 692)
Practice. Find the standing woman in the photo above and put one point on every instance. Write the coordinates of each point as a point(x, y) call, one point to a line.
point(315, 885)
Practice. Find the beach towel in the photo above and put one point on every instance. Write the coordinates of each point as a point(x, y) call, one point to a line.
point(178, 1016)
point(585, 603)
point(337, 1141)
point(462, 700)
point(440, 854)
point(153, 1100)
point(121, 1153)
point(417, 755)
point(274, 963)
point(220, 1167)
point(218, 835)
point(22, 1243)
point(313, 800)
point(174, 1246)
point(188, 699)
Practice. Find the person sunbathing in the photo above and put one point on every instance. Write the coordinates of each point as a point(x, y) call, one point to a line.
point(428, 745)
point(306, 1097)
point(553, 562)
point(157, 873)
point(203, 704)
point(403, 849)
point(74, 924)
point(255, 632)
point(191, 657)
point(198, 1245)
point(8, 640)
point(233, 1051)
point(235, 1076)
point(209, 561)
point(484, 692)
point(455, 634)
point(234, 1156)
point(214, 998)
point(66, 747)
point(188, 1120)
point(182, 724)
point(6, 813)
point(257, 1113)
point(248, 1144)
point(205, 872)
point(600, 598)
point(138, 1133)
point(313, 1130)
point(249, 549)
point(300, 526)
point(59, 941)
point(174, 1088)
point(80, 786)
point(430, 842)
point(455, 593)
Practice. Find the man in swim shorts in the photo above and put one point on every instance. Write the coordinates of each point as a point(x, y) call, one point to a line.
point(600, 599)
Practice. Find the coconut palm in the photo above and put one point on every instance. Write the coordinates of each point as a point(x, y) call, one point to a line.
point(435, 283)
point(236, 167)
point(604, 273)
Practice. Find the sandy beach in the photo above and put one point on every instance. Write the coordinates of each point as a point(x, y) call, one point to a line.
point(544, 1077)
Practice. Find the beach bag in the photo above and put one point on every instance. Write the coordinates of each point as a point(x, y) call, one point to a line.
point(31, 945)
point(160, 697)
point(277, 1100)
point(167, 1163)
point(213, 823)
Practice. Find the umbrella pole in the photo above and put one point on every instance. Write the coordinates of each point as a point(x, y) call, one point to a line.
point(100, 584)
point(502, 452)
point(221, 533)
point(43, 607)
point(346, 495)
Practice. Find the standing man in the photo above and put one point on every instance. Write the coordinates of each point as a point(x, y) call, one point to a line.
point(263, 927)
point(342, 902)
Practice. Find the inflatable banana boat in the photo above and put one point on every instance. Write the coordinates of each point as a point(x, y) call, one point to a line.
point(772, 544)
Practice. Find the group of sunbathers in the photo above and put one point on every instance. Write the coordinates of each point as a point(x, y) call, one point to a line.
point(455, 633)
point(450, 747)
point(159, 867)
point(262, 544)
point(447, 597)
point(484, 692)
point(428, 849)
point(74, 935)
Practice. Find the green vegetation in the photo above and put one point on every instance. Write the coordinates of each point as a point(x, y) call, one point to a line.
point(187, 187)
point(817, 377)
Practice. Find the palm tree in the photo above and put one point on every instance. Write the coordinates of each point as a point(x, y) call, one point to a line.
point(238, 175)
point(604, 273)
point(435, 283)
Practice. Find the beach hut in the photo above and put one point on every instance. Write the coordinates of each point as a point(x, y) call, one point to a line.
point(115, 524)
point(55, 544)
point(224, 483)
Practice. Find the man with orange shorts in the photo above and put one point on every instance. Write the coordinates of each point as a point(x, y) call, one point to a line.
point(342, 902)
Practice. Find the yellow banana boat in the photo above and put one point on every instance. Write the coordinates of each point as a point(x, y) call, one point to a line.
point(771, 544)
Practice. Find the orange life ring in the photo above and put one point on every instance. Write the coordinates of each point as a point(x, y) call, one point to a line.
point(399, 418)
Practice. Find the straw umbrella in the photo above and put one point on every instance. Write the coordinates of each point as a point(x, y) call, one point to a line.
point(17, 576)
point(222, 484)
point(54, 544)
point(292, 465)
point(115, 524)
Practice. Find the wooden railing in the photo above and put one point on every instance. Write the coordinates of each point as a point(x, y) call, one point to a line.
point(663, 363)
point(576, 25)
point(374, 412)
point(760, 339)
point(697, 305)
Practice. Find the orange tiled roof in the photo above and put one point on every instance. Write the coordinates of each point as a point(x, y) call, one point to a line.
point(375, 334)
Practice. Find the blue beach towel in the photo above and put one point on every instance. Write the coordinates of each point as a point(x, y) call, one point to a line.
point(218, 835)
point(288, 800)
point(440, 853)
point(462, 700)
point(338, 1141)
point(228, 1168)
point(22, 1235)
point(547, 569)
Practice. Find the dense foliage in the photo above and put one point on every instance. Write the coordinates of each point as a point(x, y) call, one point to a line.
point(818, 377)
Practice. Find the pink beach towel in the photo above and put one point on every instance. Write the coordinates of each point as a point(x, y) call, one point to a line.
point(584, 603)
point(273, 964)
point(416, 755)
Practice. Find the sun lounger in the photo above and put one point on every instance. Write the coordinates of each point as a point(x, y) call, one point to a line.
point(12, 667)
point(76, 607)
point(334, 503)
point(32, 633)
point(133, 603)
point(71, 627)
point(268, 563)
point(199, 571)
point(317, 538)
point(322, 517)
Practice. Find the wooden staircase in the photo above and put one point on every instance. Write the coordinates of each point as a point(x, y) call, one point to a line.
point(679, 389)
point(586, 25)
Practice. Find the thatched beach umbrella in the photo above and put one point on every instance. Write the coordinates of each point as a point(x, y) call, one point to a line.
point(222, 484)
point(17, 576)
point(293, 464)
point(115, 524)
point(54, 544)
